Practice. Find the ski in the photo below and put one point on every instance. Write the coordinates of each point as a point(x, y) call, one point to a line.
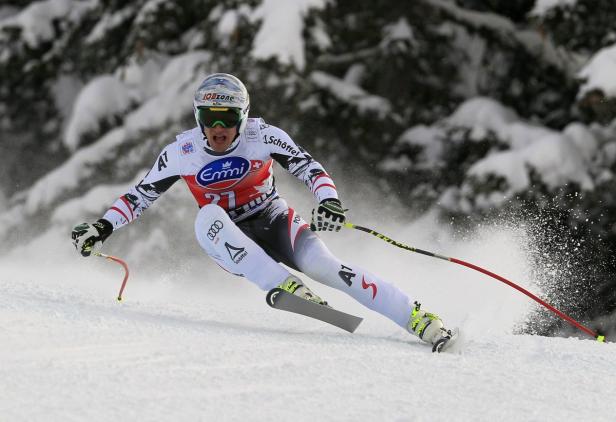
point(447, 341)
point(285, 301)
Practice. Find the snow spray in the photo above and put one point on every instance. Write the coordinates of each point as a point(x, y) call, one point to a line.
point(567, 318)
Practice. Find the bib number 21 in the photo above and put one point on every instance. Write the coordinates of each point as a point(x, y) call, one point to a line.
point(215, 198)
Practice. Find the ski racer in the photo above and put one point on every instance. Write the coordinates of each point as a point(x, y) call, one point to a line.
point(243, 224)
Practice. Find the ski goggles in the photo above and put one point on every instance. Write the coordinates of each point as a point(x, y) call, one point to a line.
point(226, 117)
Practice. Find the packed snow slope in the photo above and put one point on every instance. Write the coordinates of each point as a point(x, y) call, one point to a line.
point(199, 344)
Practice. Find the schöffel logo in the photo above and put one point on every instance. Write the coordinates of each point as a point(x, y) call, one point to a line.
point(223, 173)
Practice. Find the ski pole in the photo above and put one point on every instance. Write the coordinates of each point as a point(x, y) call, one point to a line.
point(597, 336)
point(122, 263)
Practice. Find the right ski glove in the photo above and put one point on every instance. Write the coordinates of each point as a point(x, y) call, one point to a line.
point(329, 216)
point(87, 235)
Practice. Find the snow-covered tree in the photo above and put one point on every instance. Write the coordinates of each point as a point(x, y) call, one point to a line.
point(473, 108)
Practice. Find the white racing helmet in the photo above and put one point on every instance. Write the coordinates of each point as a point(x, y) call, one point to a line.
point(223, 90)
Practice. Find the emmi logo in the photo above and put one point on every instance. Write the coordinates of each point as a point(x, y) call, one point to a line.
point(223, 173)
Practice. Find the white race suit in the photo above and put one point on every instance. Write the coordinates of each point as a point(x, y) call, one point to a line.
point(244, 225)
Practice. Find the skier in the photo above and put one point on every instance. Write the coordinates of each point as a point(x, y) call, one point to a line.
point(242, 224)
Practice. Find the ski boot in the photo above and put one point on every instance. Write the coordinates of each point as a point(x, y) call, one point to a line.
point(429, 328)
point(294, 286)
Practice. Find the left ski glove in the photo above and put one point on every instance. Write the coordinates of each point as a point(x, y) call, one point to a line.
point(329, 216)
point(87, 235)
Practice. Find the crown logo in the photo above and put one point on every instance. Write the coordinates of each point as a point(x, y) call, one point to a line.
point(226, 165)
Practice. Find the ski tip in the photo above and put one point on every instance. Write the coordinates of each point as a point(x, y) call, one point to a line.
point(270, 298)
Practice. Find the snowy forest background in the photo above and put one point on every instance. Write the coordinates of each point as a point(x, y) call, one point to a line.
point(484, 112)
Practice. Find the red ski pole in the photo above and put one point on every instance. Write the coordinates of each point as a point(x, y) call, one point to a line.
point(122, 263)
point(567, 318)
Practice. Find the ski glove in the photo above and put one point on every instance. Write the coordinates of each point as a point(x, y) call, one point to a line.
point(86, 236)
point(329, 216)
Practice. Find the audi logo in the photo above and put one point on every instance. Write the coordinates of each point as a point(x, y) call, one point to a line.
point(214, 229)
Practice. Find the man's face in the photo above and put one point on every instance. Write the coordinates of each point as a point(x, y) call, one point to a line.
point(219, 137)
point(220, 125)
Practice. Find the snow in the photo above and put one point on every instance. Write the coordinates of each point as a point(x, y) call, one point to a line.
point(471, 70)
point(198, 344)
point(183, 70)
point(559, 158)
point(93, 202)
point(65, 90)
point(227, 24)
point(485, 113)
point(352, 94)
point(141, 74)
point(600, 73)
point(69, 175)
point(107, 23)
point(555, 158)
point(184, 344)
point(583, 139)
point(280, 33)
point(355, 74)
point(176, 85)
point(3, 201)
point(520, 134)
point(506, 29)
point(543, 6)
point(399, 31)
point(149, 8)
point(320, 36)
point(477, 19)
point(101, 99)
point(423, 136)
point(201, 344)
point(177, 82)
point(36, 20)
point(8, 11)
